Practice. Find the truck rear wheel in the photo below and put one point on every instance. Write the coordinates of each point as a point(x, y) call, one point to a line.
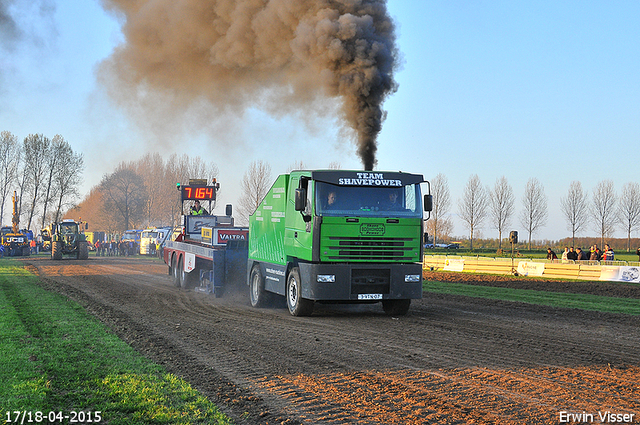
point(297, 305)
point(174, 271)
point(396, 307)
point(257, 294)
point(56, 250)
point(187, 280)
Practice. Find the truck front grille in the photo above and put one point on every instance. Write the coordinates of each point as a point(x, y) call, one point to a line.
point(370, 281)
point(369, 248)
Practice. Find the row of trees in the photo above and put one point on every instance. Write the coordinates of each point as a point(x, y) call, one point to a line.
point(604, 210)
point(141, 193)
point(45, 173)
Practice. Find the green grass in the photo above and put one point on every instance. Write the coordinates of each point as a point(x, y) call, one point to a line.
point(629, 306)
point(55, 357)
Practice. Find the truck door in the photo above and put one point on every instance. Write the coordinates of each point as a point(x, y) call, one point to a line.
point(298, 229)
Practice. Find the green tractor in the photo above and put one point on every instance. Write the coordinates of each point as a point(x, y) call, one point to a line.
point(67, 238)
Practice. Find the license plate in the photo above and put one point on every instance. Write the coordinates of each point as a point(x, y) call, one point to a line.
point(369, 296)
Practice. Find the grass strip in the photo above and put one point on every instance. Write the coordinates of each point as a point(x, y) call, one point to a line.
point(56, 357)
point(630, 306)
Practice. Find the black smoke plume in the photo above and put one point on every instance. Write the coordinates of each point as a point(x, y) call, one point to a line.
point(277, 55)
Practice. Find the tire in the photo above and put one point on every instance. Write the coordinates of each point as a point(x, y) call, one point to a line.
point(174, 271)
point(83, 251)
point(56, 250)
point(187, 280)
point(396, 307)
point(297, 305)
point(257, 294)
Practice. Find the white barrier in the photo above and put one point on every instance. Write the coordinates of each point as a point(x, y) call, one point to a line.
point(582, 270)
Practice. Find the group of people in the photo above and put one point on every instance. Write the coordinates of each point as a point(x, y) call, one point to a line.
point(113, 248)
point(595, 254)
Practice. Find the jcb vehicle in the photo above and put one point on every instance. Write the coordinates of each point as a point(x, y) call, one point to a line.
point(67, 238)
point(14, 241)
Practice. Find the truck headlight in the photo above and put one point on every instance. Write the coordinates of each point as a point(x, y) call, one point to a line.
point(412, 278)
point(326, 278)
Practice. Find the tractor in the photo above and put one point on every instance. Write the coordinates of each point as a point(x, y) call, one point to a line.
point(67, 238)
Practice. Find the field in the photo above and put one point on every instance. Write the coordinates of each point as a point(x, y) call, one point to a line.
point(455, 358)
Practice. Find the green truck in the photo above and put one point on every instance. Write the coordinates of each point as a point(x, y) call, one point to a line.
point(339, 236)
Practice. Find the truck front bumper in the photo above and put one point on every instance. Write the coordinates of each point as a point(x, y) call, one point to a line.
point(361, 281)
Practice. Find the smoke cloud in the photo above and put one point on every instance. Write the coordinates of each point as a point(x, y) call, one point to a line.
point(277, 55)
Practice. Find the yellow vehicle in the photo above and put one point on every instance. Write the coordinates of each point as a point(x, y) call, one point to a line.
point(15, 242)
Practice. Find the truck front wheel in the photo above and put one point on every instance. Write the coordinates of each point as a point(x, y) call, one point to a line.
point(396, 307)
point(297, 305)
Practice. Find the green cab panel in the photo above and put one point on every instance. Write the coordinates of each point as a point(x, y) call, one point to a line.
point(381, 240)
point(267, 224)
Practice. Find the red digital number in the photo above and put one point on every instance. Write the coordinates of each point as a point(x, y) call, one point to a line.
point(198, 192)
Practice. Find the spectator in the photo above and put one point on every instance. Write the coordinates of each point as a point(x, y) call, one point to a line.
point(638, 254)
point(608, 254)
point(582, 256)
point(551, 255)
point(565, 255)
point(595, 253)
point(572, 255)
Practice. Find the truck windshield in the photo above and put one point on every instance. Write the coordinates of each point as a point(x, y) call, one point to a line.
point(350, 201)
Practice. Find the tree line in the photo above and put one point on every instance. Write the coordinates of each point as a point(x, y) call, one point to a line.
point(604, 211)
point(45, 174)
point(142, 193)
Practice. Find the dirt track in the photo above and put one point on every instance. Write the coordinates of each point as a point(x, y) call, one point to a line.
point(450, 360)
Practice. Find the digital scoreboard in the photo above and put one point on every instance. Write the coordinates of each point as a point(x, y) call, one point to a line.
point(199, 193)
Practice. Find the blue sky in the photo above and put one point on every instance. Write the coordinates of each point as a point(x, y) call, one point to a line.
point(541, 89)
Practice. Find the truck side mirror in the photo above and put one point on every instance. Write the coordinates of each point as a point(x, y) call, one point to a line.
point(428, 202)
point(86, 226)
point(229, 210)
point(301, 199)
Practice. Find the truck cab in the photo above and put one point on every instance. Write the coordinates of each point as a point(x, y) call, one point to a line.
point(339, 236)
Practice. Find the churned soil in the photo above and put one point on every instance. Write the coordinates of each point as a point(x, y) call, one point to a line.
point(451, 360)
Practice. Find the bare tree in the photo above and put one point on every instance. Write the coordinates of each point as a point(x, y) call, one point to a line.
point(575, 209)
point(534, 211)
point(181, 169)
point(57, 157)
point(501, 206)
point(10, 157)
point(441, 204)
point(445, 227)
point(67, 179)
point(334, 165)
point(629, 209)
point(255, 185)
point(603, 209)
point(124, 196)
point(297, 165)
point(473, 205)
point(36, 151)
